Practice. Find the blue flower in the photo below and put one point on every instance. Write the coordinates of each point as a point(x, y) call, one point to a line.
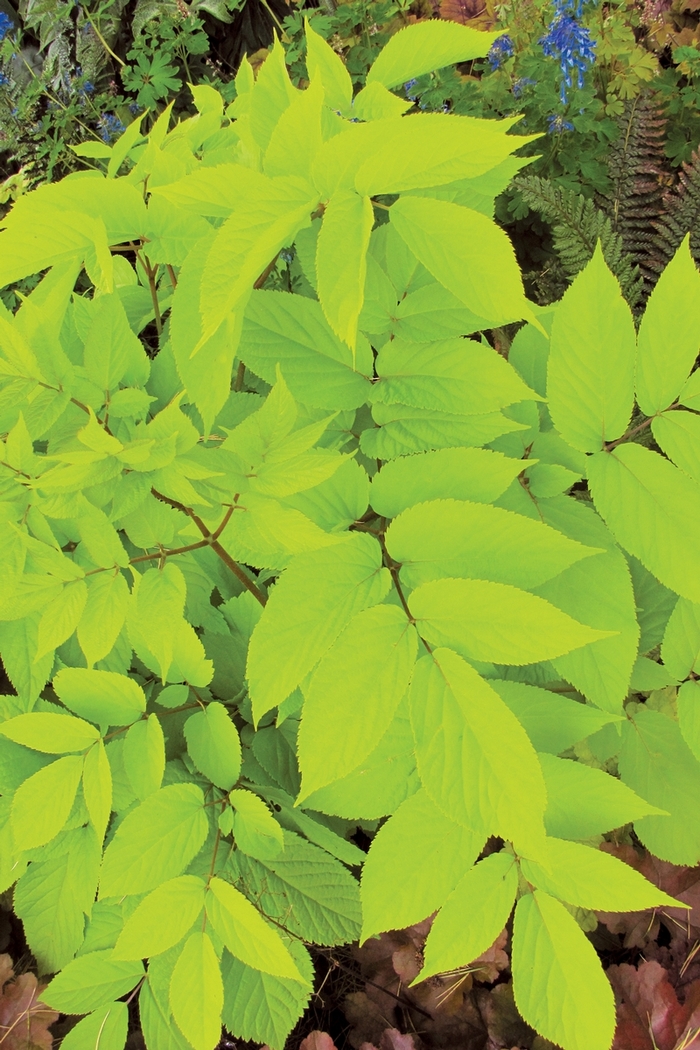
point(520, 85)
point(568, 7)
point(110, 126)
point(557, 124)
point(88, 87)
point(135, 108)
point(4, 81)
point(407, 88)
point(6, 24)
point(500, 49)
point(570, 43)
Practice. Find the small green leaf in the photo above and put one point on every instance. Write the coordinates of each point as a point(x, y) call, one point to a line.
point(156, 841)
point(425, 47)
point(100, 696)
point(245, 933)
point(53, 734)
point(105, 1029)
point(214, 746)
point(197, 992)
point(255, 830)
point(669, 333)
point(590, 374)
point(162, 918)
point(415, 861)
point(472, 916)
point(559, 985)
point(495, 622)
point(589, 878)
point(144, 756)
point(103, 616)
point(341, 261)
point(366, 672)
point(90, 981)
point(97, 787)
point(474, 757)
point(689, 715)
point(42, 804)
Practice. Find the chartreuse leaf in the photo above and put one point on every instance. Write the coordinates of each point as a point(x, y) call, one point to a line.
point(590, 374)
point(340, 261)
point(259, 1006)
point(103, 616)
point(297, 135)
point(156, 841)
point(589, 878)
point(378, 786)
point(599, 594)
point(316, 597)
point(323, 62)
point(425, 47)
point(353, 694)
point(90, 981)
point(689, 715)
point(291, 330)
point(245, 933)
point(100, 696)
point(475, 474)
point(255, 830)
point(459, 376)
point(656, 762)
point(583, 801)
point(495, 622)
point(144, 756)
point(443, 237)
point(553, 722)
point(61, 617)
point(97, 787)
point(197, 992)
point(214, 746)
point(415, 861)
point(559, 985)
point(157, 604)
point(53, 897)
point(472, 916)
point(162, 918)
point(106, 1028)
point(42, 804)
point(680, 648)
point(272, 93)
point(54, 734)
point(474, 758)
point(457, 538)
point(678, 434)
point(669, 333)
point(403, 429)
point(306, 890)
point(650, 507)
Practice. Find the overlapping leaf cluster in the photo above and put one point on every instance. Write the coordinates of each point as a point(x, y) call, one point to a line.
point(317, 562)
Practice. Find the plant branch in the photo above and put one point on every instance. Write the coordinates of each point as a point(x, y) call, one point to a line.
point(151, 275)
point(212, 541)
point(609, 446)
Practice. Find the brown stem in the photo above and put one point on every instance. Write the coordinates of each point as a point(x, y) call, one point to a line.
point(151, 274)
point(240, 376)
point(215, 546)
point(266, 273)
point(171, 275)
point(153, 557)
point(393, 568)
point(630, 434)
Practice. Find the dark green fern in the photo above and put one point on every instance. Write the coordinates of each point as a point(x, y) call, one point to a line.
point(577, 226)
point(681, 215)
point(639, 175)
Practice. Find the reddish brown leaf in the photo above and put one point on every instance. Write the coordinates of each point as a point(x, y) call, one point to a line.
point(318, 1041)
point(24, 1019)
point(647, 1007)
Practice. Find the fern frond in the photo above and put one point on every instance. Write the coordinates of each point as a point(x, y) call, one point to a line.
point(639, 175)
point(577, 226)
point(681, 215)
